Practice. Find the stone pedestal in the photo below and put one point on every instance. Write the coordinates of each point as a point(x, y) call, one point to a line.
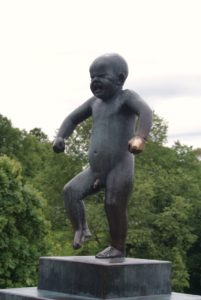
point(86, 278)
point(102, 278)
point(36, 294)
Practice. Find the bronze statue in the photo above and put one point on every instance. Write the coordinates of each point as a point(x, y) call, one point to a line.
point(121, 124)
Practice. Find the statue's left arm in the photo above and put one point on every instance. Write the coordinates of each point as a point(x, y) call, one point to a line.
point(69, 124)
point(135, 103)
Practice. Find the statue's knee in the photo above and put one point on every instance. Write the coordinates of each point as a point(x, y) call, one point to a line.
point(111, 203)
point(68, 192)
point(115, 205)
point(68, 196)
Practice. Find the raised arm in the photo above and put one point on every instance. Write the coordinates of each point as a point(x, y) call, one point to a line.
point(71, 121)
point(144, 113)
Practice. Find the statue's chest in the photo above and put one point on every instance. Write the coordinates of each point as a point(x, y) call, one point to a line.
point(105, 110)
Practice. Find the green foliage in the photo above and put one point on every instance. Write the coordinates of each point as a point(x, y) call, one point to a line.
point(41, 136)
point(23, 227)
point(30, 149)
point(59, 169)
point(10, 141)
point(164, 209)
point(159, 130)
point(78, 143)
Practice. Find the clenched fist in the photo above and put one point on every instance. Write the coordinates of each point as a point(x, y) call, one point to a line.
point(59, 145)
point(136, 145)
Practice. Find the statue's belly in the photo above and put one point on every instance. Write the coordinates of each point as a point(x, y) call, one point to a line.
point(105, 154)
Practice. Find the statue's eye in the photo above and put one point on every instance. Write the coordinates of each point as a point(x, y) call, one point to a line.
point(102, 75)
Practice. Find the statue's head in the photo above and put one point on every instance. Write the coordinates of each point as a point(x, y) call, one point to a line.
point(108, 74)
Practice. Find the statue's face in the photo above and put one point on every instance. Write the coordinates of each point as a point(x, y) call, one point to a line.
point(104, 80)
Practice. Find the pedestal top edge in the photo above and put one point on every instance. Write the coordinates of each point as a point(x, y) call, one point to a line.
point(94, 260)
point(34, 293)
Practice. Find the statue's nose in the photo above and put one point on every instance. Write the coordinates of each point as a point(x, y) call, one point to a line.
point(95, 79)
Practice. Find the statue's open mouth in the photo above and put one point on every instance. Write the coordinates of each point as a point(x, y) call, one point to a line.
point(97, 87)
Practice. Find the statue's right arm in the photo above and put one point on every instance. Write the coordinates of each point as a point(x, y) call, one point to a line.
point(71, 121)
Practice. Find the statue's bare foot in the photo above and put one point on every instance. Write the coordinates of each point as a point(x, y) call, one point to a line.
point(77, 243)
point(110, 252)
point(80, 237)
point(86, 235)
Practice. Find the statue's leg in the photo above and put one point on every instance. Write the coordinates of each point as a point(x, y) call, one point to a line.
point(118, 189)
point(86, 234)
point(74, 191)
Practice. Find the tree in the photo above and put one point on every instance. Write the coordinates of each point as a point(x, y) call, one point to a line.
point(30, 149)
point(10, 138)
point(165, 208)
point(24, 231)
point(159, 130)
point(41, 136)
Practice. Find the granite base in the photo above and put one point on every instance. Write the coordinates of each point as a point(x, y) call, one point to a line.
point(88, 276)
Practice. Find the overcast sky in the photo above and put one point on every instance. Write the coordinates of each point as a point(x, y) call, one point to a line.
point(47, 47)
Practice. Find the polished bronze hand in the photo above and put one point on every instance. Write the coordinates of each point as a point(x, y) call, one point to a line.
point(136, 145)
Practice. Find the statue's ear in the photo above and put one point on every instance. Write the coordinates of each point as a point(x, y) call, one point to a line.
point(121, 79)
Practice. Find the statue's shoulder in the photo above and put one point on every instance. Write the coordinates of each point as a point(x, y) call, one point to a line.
point(91, 101)
point(130, 94)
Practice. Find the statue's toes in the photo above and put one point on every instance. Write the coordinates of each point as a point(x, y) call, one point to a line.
point(110, 252)
point(77, 243)
point(86, 235)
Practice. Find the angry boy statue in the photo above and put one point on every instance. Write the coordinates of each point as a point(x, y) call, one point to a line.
point(121, 124)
